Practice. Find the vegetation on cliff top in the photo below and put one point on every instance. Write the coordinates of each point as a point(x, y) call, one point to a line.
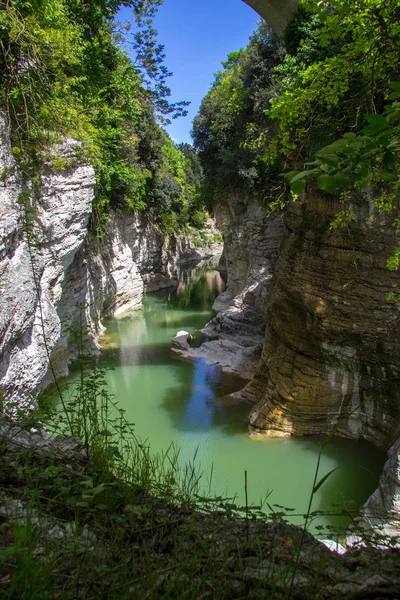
point(64, 74)
point(335, 74)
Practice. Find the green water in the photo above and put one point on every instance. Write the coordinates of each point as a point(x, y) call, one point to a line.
point(170, 400)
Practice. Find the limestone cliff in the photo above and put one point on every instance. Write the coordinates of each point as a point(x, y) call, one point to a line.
point(382, 510)
point(34, 266)
point(58, 275)
point(331, 357)
point(252, 239)
point(332, 350)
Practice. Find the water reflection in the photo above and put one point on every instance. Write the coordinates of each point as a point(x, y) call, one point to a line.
point(198, 289)
point(201, 404)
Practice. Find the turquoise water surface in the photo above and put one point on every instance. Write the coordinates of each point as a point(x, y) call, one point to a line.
point(174, 401)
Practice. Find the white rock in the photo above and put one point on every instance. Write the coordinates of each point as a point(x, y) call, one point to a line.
point(78, 278)
point(182, 339)
point(334, 546)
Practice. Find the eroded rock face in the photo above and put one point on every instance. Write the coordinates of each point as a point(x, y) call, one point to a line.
point(251, 244)
point(382, 509)
point(252, 241)
point(34, 266)
point(331, 358)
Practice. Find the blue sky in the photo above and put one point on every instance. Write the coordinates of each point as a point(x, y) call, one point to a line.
point(198, 35)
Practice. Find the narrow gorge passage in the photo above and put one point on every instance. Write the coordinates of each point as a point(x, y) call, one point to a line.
point(186, 404)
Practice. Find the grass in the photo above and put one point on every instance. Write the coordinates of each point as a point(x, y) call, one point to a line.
point(74, 530)
point(70, 528)
point(112, 520)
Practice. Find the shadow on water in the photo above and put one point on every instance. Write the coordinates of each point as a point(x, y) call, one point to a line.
point(353, 480)
point(138, 355)
point(201, 404)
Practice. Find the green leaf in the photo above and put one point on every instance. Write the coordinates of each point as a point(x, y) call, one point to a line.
point(376, 120)
point(330, 159)
point(393, 117)
point(289, 175)
point(383, 140)
point(370, 153)
point(349, 136)
point(332, 148)
point(298, 187)
point(323, 479)
point(303, 174)
point(395, 85)
point(372, 129)
point(364, 181)
point(342, 179)
point(327, 183)
point(389, 159)
point(393, 96)
point(377, 123)
point(388, 177)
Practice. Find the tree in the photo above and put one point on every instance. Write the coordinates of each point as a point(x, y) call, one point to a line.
point(232, 115)
point(64, 74)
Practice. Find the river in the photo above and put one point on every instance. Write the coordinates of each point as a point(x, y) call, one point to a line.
point(187, 404)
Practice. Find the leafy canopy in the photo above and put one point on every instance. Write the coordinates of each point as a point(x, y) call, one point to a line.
point(66, 73)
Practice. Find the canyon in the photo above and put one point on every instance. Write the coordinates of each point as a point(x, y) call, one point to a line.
point(58, 277)
point(319, 296)
point(330, 359)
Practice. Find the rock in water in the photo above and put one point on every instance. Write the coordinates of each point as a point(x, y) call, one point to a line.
point(182, 339)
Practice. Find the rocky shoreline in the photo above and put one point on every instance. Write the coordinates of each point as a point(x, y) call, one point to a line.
point(121, 540)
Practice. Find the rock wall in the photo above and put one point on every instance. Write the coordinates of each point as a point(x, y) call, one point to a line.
point(56, 277)
point(252, 239)
point(277, 13)
point(331, 357)
point(381, 512)
point(33, 266)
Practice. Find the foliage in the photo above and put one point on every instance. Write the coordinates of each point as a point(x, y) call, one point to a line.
point(357, 83)
point(357, 160)
point(338, 74)
point(65, 75)
point(232, 115)
point(271, 113)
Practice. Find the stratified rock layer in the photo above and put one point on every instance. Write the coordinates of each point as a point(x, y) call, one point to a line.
point(252, 239)
point(38, 247)
point(331, 358)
